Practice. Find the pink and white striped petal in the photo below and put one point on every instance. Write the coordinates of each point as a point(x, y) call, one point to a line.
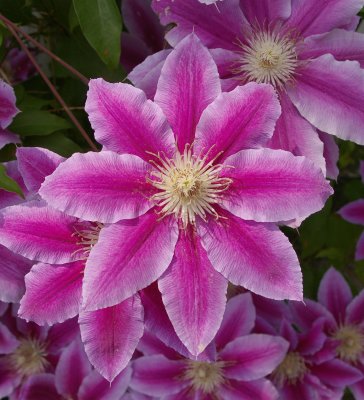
point(128, 257)
point(124, 120)
point(331, 155)
point(256, 256)
point(104, 187)
point(328, 94)
point(111, 335)
point(353, 212)
point(194, 294)
point(189, 82)
point(274, 185)
point(265, 12)
point(8, 108)
point(242, 119)
point(53, 293)
point(261, 389)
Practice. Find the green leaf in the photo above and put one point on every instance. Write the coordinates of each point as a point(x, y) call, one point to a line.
point(101, 24)
point(38, 123)
point(72, 19)
point(8, 184)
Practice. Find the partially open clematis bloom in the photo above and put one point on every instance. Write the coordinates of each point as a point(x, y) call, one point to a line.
point(236, 369)
point(8, 110)
point(191, 197)
point(74, 379)
point(27, 349)
point(354, 213)
point(306, 49)
point(62, 245)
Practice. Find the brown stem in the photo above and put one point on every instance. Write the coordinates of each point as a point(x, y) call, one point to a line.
point(52, 88)
point(74, 71)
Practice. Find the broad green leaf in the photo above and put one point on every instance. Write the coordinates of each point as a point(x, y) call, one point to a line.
point(72, 19)
point(38, 123)
point(101, 24)
point(8, 184)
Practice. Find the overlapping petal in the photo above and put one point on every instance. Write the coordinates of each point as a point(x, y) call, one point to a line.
point(261, 389)
point(40, 387)
point(53, 293)
point(124, 120)
point(331, 154)
point(328, 93)
point(129, 256)
point(8, 342)
point(354, 212)
point(266, 11)
point(242, 119)
point(256, 256)
point(273, 185)
point(111, 335)
point(189, 82)
point(196, 305)
point(103, 187)
point(8, 108)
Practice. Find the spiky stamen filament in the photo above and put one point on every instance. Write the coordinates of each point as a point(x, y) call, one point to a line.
point(204, 376)
point(351, 346)
point(268, 56)
point(29, 358)
point(88, 234)
point(188, 185)
point(291, 370)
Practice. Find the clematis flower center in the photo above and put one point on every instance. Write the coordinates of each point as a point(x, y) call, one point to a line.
point(351, 345)
point(291, 370)
point(88, 234)
point(188, 185)
point(205, 376)
point(30, 357)
point(268, 57)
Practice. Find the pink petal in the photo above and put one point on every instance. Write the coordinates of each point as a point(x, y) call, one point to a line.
point(216, 27)
point(273, 185)
point(35, 164)
point(72, 367)
point(9, 198)
point(189, 82)
point(9, 379)
point(53, 293)
point(8, 342)
point(39, 232)
point(145, 76)
point(150, 345)
point(359, 253)
point(357, 390)
point(294, 134)
point(103, 187)
point(40, 387)
point(354, 314)
point(157, 320)
point(256, 256)
point(265, 12)
point(253, 356)
point(328, 94)
point(335, 294)
point(354, 212)
point(331, 154)
point(310, 17)
point(342, 44)
point(241, 119)
point(8, 108)
point(313, 341)
point(129, 256)
point(125, 121)
point(13, 268)
point(7, 137)
point(134, 51)
point(158, 376)
point(261, 389)
point(61, 335)
point(95, 387)
point(239, 320)
point(111, 335)
point(193, 293)
point(336, 373)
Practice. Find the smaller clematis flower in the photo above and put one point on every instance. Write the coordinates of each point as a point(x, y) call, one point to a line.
point(8, 110)
point(27, 349)
point(236, 369)
point(354, 213)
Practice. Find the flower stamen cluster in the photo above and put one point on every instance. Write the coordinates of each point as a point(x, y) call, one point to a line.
point(205, 377)
point(88, 236)
point(291, 370)
point(351, 345)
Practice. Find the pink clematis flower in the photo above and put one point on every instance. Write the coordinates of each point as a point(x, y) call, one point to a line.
point(191, 197)
point(8, 110)
point(27, 349)
point(61, 245)
point(306, 49)
point(354, 213)
point(74, 379)
point(236, 369)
